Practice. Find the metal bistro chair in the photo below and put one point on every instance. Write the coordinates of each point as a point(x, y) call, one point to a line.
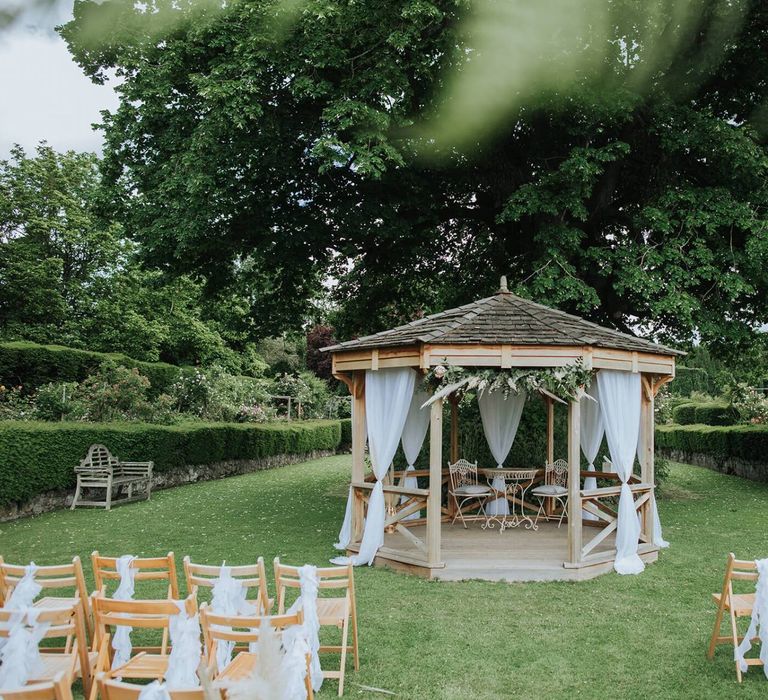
point(464, 488)
point(555, 486)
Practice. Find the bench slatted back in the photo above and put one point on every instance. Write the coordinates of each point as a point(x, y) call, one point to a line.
point(99, 460)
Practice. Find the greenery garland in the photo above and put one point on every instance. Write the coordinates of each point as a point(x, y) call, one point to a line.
point(565, 383)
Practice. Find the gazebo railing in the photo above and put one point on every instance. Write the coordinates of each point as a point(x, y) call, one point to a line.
point(592, 501)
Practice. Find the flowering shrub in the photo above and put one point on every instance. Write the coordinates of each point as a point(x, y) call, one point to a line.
point(15, 404)
point(751, 405)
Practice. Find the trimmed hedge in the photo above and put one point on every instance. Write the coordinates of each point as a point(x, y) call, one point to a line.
point(346, 433)
point(31, 366)
point(710, 413)
point(747, 442)
point(39, 457)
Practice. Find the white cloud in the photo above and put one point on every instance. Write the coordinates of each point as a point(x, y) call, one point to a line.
point(44, 94)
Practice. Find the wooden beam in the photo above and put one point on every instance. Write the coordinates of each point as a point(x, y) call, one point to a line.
point(435, 481)
point(359, 434)
point(574, 482)
point(646, 457)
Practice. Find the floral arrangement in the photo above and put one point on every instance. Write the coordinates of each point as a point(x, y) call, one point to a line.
point(560, 383)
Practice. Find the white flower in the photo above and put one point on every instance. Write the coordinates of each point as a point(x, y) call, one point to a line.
point(440, 371)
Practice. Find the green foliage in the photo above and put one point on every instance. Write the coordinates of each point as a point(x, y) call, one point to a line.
point(633, 195)
point(70, 276)
point(562, 382)
point(39, 457)
point(213, 394)
point(346, 433)
point(31, 366)
point(710, 413)
point(749, 442)
point(311, 391)
point(750, 405)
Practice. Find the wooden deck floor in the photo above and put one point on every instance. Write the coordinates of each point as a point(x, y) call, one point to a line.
point(513, 555)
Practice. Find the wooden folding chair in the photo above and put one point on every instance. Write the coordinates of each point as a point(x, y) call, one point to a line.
point(60, 688)
point(146, 662)
point(252, 576)
point(337, 611)
point(73, 659)
point(147, 569)
point(736, 604)
point(243, 631)
point(57, 577)
point(110, 689)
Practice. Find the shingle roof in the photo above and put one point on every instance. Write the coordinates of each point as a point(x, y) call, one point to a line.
point(504, 319)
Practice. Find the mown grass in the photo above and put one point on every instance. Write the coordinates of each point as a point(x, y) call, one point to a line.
point(614, 636)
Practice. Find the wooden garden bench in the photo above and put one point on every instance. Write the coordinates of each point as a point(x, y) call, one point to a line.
point(120, 480)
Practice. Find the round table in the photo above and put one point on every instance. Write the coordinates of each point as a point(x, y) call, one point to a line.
point(516, 482)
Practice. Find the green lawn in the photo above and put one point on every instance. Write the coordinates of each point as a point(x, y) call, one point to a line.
point(614, 636)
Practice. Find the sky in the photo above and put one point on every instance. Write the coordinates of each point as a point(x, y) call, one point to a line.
point(43, 93)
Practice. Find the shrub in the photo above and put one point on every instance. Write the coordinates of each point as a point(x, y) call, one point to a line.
point(213, 394)
point(751, 406)
point(346, 433)
point(31, 366)
point(748, 442)
point(710, 413)
point(38, 457)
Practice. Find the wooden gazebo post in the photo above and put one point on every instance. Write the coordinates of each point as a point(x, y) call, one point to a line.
point(434, 515)
point(358, 451)
point(574, 482)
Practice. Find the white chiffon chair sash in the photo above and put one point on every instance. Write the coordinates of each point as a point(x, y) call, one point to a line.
point(758, 625)
point(121, 640)
point(20, 654)
point(229, 599)
point(307, 602)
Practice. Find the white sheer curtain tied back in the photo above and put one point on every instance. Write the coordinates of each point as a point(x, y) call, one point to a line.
point(388, 395)
point(412, 440)
point(500, 415)
point(620, 405)
point(591, 437)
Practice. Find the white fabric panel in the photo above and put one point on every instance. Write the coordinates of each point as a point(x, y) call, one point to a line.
point(591, 435)
point(620, 405)
point(19, 655)
point(229, 599)
point(758, 625)
point(156, 690)
point(186, 649)
point(26, 590)
point(345, 534)
point(310, 630)
point(412, 440)
point(388, 395)
point(501, 418)
point(657, 537)
point(121, 639)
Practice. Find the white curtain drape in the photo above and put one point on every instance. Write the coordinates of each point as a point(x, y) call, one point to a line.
point(658, 538)
point(591, 436)
point(620, 405)
point(501, 417)
point(388, 395)
point(412, 439)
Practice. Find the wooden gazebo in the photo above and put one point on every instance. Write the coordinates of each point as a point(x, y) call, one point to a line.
point(504, 331)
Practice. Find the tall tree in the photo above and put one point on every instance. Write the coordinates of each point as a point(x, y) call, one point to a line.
point(620, 172)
